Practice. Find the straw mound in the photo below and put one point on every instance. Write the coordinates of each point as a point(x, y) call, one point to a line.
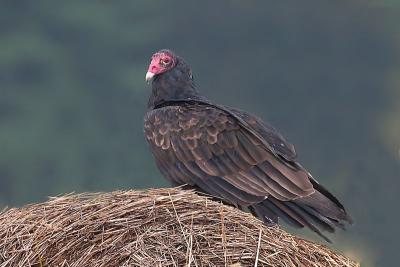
point(161, 227)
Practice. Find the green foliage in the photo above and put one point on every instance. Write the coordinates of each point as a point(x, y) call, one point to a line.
point(73, 96)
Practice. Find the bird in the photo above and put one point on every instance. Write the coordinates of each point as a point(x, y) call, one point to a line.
point(230, 154)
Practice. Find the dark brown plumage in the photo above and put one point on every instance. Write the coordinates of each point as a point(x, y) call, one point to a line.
point(230, 154)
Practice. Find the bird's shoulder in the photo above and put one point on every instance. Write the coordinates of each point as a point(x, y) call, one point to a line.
point(190, 121)
point(187, 115)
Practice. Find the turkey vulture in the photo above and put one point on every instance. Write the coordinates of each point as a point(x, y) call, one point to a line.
point(230, 154)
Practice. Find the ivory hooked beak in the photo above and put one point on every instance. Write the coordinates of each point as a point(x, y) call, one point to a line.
point(149, 76)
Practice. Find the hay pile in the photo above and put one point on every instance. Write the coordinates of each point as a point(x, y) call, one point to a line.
point(162, 227)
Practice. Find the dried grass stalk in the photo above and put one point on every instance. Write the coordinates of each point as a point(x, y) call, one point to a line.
point(159, 227)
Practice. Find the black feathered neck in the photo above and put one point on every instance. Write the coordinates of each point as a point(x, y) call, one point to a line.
point(175, 85)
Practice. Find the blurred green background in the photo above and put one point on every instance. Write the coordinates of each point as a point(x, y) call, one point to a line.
point(326, 73)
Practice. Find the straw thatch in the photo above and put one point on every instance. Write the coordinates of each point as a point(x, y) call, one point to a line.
point(160, 227)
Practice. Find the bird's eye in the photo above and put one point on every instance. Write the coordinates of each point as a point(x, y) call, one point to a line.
point(165, 62)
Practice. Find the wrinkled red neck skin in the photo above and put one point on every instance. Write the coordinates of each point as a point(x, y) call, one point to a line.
point(155, 66)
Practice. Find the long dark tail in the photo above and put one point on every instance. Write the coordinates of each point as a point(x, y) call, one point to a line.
point(320, 211)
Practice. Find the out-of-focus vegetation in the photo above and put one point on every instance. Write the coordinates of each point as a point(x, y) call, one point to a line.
point(72, 94)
